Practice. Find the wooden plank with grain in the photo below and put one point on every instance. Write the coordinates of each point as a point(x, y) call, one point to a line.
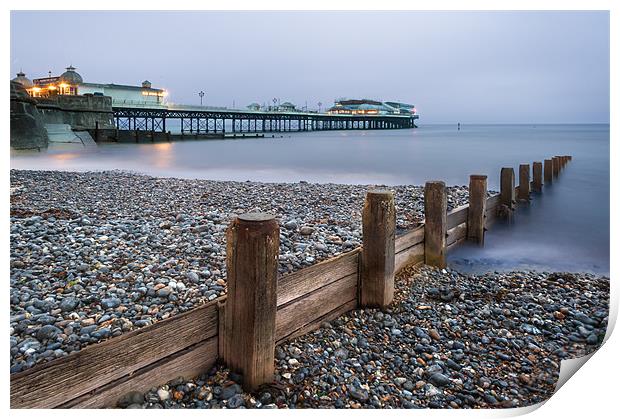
point(61, 380)
point(316, 323)
point(304, 281)
point(409, 239)
point(456, 233)
point(410, 256)
point(457, 216)
point(188, 363)
point(304, 310)
point(493, 202)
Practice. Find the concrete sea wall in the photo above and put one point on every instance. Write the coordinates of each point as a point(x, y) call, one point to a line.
point(30, 116)
point(80, 112)
point(27, 126)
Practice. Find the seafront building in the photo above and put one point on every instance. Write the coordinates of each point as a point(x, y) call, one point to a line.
point(283, 107)
point(370, 107)
point(71, 83)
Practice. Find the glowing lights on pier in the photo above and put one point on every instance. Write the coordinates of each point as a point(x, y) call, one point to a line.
point(370, 107)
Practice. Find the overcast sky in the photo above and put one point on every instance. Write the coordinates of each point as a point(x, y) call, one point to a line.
point(488, 67)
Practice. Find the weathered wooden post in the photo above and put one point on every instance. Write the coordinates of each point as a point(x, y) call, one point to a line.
point(507, 188)
point(556, 166)
point(378, 231)
point(537, 172)
point(252, 247)
point(524, 182)
point(435, 225)
point(477, 208)
point(548, 171)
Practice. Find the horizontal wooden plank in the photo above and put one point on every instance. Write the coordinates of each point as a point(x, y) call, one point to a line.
point(493, 202)
point(410, 256)
point(188, 363)
point(306, 309)
point(491, 211)
point(315, 324)
point(409, 239)
point(61, 380)
point(456, 233)
point(306, 280)
point(457, 216)
point(454, 244)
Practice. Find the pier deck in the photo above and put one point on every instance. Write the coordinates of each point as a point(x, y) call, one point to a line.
point(197, 120)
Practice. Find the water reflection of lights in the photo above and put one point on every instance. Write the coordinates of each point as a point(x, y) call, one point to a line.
point(162, 146)
point(162, 155)
point(64, 156)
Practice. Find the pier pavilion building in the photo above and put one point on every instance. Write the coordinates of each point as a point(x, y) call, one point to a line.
point(71, 83)
point(369, 107)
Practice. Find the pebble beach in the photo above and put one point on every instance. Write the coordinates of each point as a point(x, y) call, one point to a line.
point(97, 254)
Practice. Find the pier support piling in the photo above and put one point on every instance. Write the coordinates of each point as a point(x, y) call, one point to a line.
point(556, 166)
point(378, 231)
point(435, 225)
point(477, 208)
point(252, 248)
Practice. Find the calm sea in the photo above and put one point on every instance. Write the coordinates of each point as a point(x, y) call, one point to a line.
point(565, 228)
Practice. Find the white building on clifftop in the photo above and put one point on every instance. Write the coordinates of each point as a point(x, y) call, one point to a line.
point(71, 83)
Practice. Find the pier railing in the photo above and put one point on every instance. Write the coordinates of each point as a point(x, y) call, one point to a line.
point(262, 310)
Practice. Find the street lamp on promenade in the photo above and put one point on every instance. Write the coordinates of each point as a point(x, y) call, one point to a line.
point(201, 94)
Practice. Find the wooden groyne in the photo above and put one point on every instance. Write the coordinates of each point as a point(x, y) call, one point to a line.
point(262, 310)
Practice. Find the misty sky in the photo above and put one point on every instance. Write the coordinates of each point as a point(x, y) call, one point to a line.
point(488, 67)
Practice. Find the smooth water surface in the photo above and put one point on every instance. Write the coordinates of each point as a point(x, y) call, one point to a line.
point(565, 228)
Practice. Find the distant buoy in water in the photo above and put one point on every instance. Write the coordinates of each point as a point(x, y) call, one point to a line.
point(458, 126)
